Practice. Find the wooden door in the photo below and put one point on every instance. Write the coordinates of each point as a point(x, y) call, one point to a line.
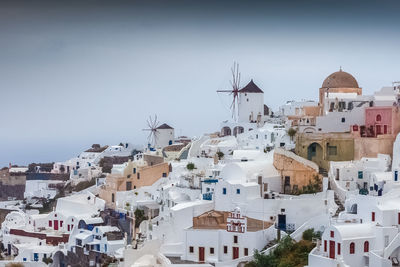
point(378, 130)
point(55, 224)
point(235, 252)
point(332, 249)
point(201, 254)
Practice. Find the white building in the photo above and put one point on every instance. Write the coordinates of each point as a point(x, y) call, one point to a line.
point(101, 239)
point(365, 234)
point(251, 104)
point(165, 135)
point(252, 112)
point(20, 227)
point(294, 108)
point(396, 159)
point(366, 174)
point(224, 236)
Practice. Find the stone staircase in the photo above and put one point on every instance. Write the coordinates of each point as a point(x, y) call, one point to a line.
point(323, 172)
point(340, 206)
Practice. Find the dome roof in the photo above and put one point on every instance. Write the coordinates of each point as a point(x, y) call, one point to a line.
point(340, 79)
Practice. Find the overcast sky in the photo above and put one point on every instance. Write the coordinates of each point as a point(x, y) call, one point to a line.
point(93, 71)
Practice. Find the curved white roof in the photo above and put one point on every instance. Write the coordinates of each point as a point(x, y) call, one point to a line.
point(178, 197)
point(355, 230)
point(242, 172)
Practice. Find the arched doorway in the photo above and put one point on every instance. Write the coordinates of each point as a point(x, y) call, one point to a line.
point(238, 130)
point(226, 131)
point(315, 153)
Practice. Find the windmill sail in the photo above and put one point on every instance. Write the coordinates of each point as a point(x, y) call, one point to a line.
point(235, 83)
point(152, 124)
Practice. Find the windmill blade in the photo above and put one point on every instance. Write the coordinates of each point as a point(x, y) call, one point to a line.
point(156, 122)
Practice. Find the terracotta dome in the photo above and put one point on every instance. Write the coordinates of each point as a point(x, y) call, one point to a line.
point(340, 79)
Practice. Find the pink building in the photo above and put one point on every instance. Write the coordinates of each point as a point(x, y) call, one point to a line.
point(380, 120)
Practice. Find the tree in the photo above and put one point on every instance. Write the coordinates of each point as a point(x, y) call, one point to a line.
point(139, 217)
point(309, 234)
point(292, 132)
point(190, 166)
point(220, 155)
point(47, 260)
point(288, 253)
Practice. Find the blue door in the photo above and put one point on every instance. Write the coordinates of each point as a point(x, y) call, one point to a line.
point(36, 256)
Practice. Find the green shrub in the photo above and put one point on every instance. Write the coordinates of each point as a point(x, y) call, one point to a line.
point(190, 166)
point(220, 155)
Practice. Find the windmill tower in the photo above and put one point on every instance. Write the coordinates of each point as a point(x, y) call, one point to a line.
point(235, 83)
point(159, 136)
point(152, 125)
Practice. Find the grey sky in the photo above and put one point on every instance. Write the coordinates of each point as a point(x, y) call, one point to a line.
point(92, 72)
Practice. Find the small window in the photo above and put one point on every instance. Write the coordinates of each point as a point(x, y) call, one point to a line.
point(378, 117)
point(360, 174)
point(343, 119)
point(50, 223)
point(238, 191)
point(366, 246)
point(112, 197)
point(128, 186)
point(225, 249)
point(373, 216)
point(246, 251)
point(224, 191)
point(332, 234)
point(134, 170)
point(332, 150)
point(235, 239)
point(191, 249)
point(325, 245)
point(352, 248)
point(138, 176)
point(164, 174)
point(211, 251)
point(338, 248)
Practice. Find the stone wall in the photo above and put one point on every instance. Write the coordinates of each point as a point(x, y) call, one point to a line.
point(371, 147)
point(344, 143)
point(299, 173)
point(11, 185)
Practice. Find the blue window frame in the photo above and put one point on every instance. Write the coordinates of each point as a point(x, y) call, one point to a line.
point(238, 191)
point(360, 174)
point(224, 191)
point(36, 256)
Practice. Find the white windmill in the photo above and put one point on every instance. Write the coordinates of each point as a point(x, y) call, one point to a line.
point(152, 125)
